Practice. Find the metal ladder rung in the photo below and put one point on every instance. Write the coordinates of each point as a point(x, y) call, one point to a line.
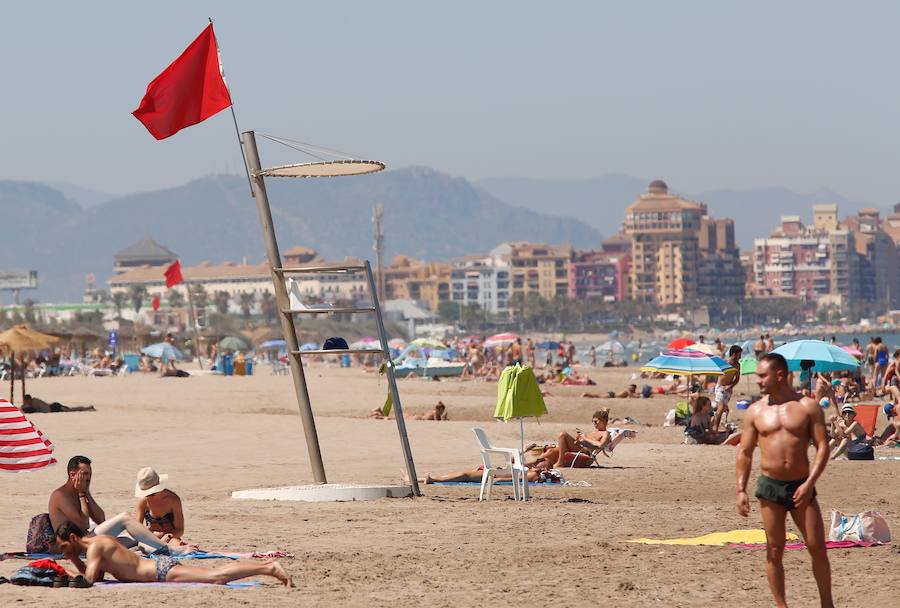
point(339, 351)
point(327, 311)
point(323, 269)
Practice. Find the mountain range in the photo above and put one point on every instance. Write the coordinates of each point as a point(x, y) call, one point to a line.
point(428, 215)
point(600, 202)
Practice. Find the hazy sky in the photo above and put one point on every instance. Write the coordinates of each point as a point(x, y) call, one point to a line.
point(703, 94)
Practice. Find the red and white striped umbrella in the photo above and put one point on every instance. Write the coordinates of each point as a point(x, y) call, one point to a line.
point(501, 340)
point(22, 446)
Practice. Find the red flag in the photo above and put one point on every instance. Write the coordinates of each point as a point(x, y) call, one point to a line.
point(155, 303)
point(189, 91)
point(173, 274)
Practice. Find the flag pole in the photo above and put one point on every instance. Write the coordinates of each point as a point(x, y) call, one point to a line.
point(237, 130)
point(193, 320)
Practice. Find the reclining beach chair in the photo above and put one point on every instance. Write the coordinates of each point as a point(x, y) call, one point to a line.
point(513, 464)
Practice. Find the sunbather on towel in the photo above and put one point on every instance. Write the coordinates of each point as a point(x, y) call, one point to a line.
point(104, 554)
point(74, 503)
point(536, 473)
point(159, 508)
point(601, 438)
point(32, 405)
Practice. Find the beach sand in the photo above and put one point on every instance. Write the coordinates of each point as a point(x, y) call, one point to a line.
point(213, 435)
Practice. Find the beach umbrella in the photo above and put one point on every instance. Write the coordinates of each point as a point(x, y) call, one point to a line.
point(548, 345)
point(680, 343)
point(23, 339)
point(519, 396)
point(272, 345)
point(853, 351)
point(367, 342)
point(687, 363)
point(428, 343)
point(708, 349)
point(501, 340)
point(163, 350)
point(397, 343)
point(309, 346)
point(826, 357)
point(233, 343)
point(611, 346)
point(748, 366)
point(22, 447)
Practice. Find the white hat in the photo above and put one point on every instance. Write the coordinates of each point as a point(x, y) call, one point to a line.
point(848, 409)
point(149, 482)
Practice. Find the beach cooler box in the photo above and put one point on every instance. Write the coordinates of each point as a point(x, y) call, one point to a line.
point(132, 362)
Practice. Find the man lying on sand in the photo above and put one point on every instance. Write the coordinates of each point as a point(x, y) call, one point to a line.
point(438, 412)
point(105, 554)
point(73, 502)
point(32, 405)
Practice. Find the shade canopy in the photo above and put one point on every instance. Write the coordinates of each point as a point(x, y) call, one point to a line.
point(748, 366)
point(505, 339)
point(707, 349)
point(23, 447)
point(274, 345)
point(680, 343)
point(163, 350)
point(428, 343)
point(826, 357)
point(325, 168)
point(233, 343)
point(687, 362)
point(22, 338)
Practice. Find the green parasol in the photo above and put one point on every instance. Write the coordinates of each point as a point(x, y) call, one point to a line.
point(748, 366)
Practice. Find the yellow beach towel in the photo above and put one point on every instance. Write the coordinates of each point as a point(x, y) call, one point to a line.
point(714, 539)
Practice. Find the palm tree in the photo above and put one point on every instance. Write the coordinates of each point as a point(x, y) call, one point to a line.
point(175, 298)
point(247, 299)
point(118, 300)
point(268, 306)
point(137, 294)
point(221, 299)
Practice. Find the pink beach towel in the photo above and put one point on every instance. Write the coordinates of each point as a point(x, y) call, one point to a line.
point(829, 544)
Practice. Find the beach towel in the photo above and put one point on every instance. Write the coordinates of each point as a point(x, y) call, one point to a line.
point(232, 585)
point(194, 555)
point(717, 539)
point(505, 482)
point(829, 544)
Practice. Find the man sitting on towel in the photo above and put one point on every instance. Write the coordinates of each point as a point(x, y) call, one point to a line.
point(578, 449)
point(104, 554)
point(73, 502)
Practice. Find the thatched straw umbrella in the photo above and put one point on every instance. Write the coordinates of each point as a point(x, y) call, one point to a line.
point(22, 338)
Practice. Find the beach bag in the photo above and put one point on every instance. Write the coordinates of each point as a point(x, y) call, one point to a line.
point(868, 526)
point(40, 538)
point(861, 451)
point(31, 576)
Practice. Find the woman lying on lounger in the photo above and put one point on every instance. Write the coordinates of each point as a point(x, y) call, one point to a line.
point(159, 508)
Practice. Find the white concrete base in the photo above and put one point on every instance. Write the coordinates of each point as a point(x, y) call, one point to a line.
point(330, 492)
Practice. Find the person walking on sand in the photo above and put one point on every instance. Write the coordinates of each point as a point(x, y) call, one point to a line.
point(725, 385)
point(783, 423)
point(105, 555)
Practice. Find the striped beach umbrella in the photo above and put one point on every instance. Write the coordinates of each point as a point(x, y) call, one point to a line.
point(501, 340)
point(687, 363)
point(22, 446)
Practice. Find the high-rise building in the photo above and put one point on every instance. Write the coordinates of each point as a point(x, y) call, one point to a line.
point(410, 279)
point(878, 261)
point(679, 254)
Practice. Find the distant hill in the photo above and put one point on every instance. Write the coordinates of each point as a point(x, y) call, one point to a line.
point(83, 196)
point(428, 215)
point(600, 202)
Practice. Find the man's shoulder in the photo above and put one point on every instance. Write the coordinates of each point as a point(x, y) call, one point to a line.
point(59, 494)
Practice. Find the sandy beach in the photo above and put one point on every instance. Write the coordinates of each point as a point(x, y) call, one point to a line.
point(567, 546)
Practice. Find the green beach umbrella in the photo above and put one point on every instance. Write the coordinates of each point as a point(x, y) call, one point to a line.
point(748, 366)
point(519, 396)
point(233, 343)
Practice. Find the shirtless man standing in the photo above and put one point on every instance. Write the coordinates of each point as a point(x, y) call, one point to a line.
point(105, 554)
point(74, 503)
point(725, 385)
point(784, 423)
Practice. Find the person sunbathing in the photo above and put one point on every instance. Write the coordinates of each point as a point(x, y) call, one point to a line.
point(105, 555)
point(699, 427)
point(576, 379)
point(159, 508)
point(568, 448)
point(537, 472)
point(438, 412)
point(33, 405)
point(628, 393)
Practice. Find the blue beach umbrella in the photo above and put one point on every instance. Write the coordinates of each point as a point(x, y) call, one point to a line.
point(548, 345)
point(826, 357)
point(272, 345)
point(309, 346)
point(164, 351)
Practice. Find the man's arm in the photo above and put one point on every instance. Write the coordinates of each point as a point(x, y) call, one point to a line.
point(59, 504)
point(93, 573)
point(820, 440)
point(744, 459)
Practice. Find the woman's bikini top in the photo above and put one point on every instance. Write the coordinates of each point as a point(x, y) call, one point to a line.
point(167, 520)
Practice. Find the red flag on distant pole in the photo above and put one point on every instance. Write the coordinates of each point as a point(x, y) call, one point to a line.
point(155, 302)
point(187, 92)
point(173, 274)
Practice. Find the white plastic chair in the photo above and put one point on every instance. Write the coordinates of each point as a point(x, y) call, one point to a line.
point(513, 465)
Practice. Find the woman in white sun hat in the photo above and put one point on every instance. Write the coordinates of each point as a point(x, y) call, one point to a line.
point(159, 508)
